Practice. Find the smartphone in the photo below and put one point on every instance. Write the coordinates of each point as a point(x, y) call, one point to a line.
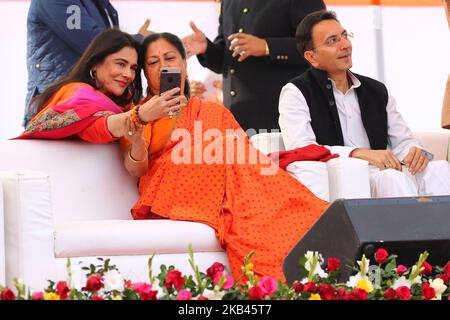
point(170, 78)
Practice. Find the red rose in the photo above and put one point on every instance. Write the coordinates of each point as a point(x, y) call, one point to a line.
point(174, 278)
point(326, 292)
point(340, 293)
point(94, 283)
point(128, 284)
point(349, 296)
point(333, 264)
point(97, 298)
point(62, 289)
point(390, 294)
point(298, 287)
point(447, 270)
point(310, 287)
point(216, 268)
point(7, 294)
point(401, 269)
point(360, 294)
point(446, 273)
point(428, 269)
point(255, 293)
point(444, 278)
point(428, 292)
point(403, 293)
point(202, 298)
point(145, 291)
point(381, 255)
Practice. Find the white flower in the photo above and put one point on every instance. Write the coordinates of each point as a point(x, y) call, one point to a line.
point(213, 295)
point(353, 280)
point(417, 279)
point(401, 282)
point(364, 264)
point(438, 286)
point(310, 256)
point(113, 281)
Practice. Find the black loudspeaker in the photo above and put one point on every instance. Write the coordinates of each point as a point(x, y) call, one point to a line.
point(403, 226)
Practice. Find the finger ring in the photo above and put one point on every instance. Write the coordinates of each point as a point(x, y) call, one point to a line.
point(242, 53)
point(170, 114)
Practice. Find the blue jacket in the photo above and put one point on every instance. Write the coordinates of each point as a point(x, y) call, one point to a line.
point(55, 41)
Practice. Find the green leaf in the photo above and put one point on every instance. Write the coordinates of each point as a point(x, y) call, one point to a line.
point(391, 265)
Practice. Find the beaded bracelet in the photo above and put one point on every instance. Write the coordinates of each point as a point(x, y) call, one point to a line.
point(136, 118)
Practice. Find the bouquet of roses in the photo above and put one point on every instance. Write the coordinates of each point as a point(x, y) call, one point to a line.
point(385, 280)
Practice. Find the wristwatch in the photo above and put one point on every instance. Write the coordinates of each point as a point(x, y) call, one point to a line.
point(427, 154)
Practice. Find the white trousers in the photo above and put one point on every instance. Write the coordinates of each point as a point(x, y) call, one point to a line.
point(433, 181)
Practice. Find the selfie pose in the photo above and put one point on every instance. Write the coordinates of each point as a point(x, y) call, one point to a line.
point(58, 32)
point(94, 101)
point(248, 210)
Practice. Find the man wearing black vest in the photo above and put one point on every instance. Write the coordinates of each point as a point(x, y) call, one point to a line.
point(255, 52)
point(353, 116)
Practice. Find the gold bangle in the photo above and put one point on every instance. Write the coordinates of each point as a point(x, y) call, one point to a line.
point(267, 49)
point(134, 160)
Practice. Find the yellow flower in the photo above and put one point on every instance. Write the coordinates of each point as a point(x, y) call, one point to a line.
point(117, 298)
point(249, 266)
point(365, 285)
point(249, 273)
point(315, 296)
point(51, 296)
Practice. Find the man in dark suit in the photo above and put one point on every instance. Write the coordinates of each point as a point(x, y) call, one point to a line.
point(255, 51)
point(58, 31)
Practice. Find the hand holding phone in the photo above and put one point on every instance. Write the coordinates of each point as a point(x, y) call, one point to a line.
point(169, 78)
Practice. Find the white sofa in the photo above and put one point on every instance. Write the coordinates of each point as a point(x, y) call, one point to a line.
point(72, 199)
point(2, 239)
point(345, 177)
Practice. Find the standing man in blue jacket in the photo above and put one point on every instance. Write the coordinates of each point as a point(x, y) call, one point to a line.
point(58, 32)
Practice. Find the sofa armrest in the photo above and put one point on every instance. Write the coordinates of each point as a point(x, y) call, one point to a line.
point(29, 228)
point(435, 142)
point(2, 238)
point(268, 142)
point(348, 178)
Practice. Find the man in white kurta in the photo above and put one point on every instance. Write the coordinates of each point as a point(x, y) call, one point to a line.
point(403, 168)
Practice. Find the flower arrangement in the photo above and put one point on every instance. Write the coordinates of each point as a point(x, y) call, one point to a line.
point(384, 280)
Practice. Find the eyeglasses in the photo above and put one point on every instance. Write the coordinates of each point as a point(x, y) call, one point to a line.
point(336, 39)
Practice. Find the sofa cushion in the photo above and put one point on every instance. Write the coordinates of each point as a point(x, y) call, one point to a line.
point(88, 181)
point(2, 238)
point(435, 142)
point(28, 224)
point(132, 237)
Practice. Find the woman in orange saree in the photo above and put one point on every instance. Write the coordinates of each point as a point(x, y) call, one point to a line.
point(201, 167)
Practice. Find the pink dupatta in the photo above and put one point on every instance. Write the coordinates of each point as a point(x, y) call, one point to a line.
point(71, 110)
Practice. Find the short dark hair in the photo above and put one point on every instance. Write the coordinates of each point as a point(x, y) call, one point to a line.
point(303, 35)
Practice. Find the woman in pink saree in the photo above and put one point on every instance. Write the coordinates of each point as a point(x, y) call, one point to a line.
point(95, 100)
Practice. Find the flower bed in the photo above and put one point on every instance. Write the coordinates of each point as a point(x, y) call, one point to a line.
point(384, 280)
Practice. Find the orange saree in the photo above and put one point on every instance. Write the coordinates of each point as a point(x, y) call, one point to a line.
point(249, 210)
